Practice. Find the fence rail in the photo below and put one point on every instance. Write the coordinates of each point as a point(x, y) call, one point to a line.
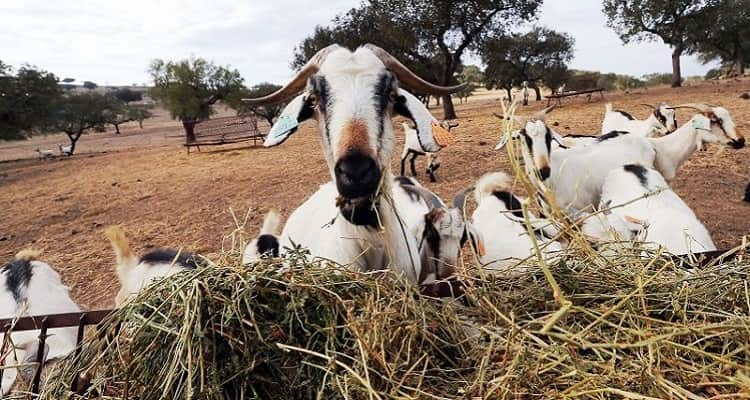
point(52, 321)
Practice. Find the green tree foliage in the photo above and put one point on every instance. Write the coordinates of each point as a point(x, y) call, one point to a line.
point(657, 78)
point(529, 57)
point(429, 36)
point(582, 80)
point(678, 23)
point(26, 101)
point(79, 113)
point(473, 77)
point(128, 95)
point(90, 85)
point(726, 37)
point(269, 112)
point(189, 88)
point(140, 113)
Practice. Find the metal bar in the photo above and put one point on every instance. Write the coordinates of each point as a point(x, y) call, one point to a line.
point(79, 340)
point(40, 356)
point(55, 320)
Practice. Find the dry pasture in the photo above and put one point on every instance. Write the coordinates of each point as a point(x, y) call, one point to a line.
point(144, 180)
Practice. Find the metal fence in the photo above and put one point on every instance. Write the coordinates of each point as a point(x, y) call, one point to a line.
point(51, 321)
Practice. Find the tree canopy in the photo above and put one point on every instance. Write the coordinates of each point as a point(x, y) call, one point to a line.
point(727, 37)
point(678, 23)
point(529, 57)
point(269, 112)
point(27, 101)
point(78, 113)
point(128, 95)
point(188, 88)
point(429, 36)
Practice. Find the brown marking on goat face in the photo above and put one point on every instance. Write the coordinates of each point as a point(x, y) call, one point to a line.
point(355, 137)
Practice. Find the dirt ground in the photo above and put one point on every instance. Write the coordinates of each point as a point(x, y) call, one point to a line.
point(144, 180)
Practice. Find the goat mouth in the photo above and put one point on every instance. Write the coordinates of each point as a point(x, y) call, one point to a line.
point(361, 211)
point(737, 144)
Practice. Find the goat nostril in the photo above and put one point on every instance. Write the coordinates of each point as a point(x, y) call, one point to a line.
point(357, 175)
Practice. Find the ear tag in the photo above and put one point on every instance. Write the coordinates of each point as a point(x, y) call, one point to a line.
point(441, 135)
point(284, 126)
point(634, 220)
point(700, 123)
point(480, 248)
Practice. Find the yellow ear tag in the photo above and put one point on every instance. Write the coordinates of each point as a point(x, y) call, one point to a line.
point(480, 248)
point(441, 135)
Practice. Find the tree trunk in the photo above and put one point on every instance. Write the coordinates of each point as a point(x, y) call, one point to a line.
point(140, 123)
point(73, 140)
point(448, 111)
point(676, 72)
point(538, 93)
point(740, 62)
point(117, 129)
point(510, 94)
point(189, 126)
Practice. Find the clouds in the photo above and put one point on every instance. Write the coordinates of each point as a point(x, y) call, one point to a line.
point(114, 42)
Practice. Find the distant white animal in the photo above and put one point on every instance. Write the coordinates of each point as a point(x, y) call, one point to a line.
point(31, 287)
point(638, 203)
point(413, 148)
point(661, 121)
point(65, 150)
point(136, 273)
point(45, 154)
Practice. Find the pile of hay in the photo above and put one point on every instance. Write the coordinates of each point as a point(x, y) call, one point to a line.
point(622, 326)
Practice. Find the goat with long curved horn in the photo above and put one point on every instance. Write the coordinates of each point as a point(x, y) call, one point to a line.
point(409, 78)
point(297, 84)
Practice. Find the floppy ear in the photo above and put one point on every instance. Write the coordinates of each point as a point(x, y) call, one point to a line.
point(298, 110)
point(427, 126)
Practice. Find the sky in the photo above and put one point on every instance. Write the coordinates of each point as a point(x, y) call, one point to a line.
point(113, 42)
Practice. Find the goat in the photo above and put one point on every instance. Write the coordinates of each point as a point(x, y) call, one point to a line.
point(267, 241)
point(29, 286)
point(413, 148)
point(499, 222)
point(45, 154)
point(440, 230)
point(637, 202)
point(136, 273)
point(65, 150)
point(660, 122)
point(525, 93)
point(352, 221)
point(576, 175)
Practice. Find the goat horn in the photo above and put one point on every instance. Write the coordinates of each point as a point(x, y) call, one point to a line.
point(542, 114)
point(459, 200)
point(297, 84)
point(409, 78)
point(648, 105)
point(695, 106)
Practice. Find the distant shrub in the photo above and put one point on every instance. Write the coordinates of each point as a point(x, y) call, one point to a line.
point(658, 78)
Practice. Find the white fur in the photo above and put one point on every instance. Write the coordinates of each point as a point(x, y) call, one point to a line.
point(271, 226)
point(44, 294)
point(65, 150)
point(45, 154)
point(663, 216)
point(649, 127)
point(505, 238)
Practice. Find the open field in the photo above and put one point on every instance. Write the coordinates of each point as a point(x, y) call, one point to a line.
point(164, 197)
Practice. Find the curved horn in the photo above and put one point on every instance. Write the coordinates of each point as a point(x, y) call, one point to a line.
point(647, 105)
point(695, 106)
point(459, 200)
point(297, 84)
point(409, 78)
point(542, 114)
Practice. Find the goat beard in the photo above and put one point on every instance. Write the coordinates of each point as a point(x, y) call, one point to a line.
point(362, 211)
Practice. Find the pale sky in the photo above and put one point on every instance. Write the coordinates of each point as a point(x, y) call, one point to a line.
point(112, 42)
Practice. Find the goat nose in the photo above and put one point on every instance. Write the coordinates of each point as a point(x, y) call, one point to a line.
point(357, 175)
point(739, 143)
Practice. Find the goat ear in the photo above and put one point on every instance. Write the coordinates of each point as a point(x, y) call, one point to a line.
point(427, 126)
point(298, 110)
point(476, 240)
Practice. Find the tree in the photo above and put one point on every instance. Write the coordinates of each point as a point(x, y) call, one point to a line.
point(127, 95)
point(26, 101)
point(727, 37)
point(189, 88)
point(429, 36)
point(90, 85)
point(79, 113)
point(472, 76)
point(678, 23)
point(140, 113)
point(528, 56)
point(269, 112)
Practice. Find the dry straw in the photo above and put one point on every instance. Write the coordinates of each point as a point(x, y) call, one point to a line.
point(623, 323)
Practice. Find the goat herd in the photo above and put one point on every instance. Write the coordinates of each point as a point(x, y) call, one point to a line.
point(614, 186)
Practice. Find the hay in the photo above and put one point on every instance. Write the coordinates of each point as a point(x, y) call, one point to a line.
point(623, 322)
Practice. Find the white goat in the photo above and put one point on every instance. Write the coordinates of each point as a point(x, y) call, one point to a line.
point(576, 175)
point(637, 202)
point(498, 221)
point(135, 273)
point(352, 221)
point(267, 241)
point(660, 122)
point(65, 150)
point(31, 287)
point(45, 154)
point(525, 93)
point(413, 148)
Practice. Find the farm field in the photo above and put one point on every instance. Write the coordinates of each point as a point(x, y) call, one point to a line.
point(144, 180)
